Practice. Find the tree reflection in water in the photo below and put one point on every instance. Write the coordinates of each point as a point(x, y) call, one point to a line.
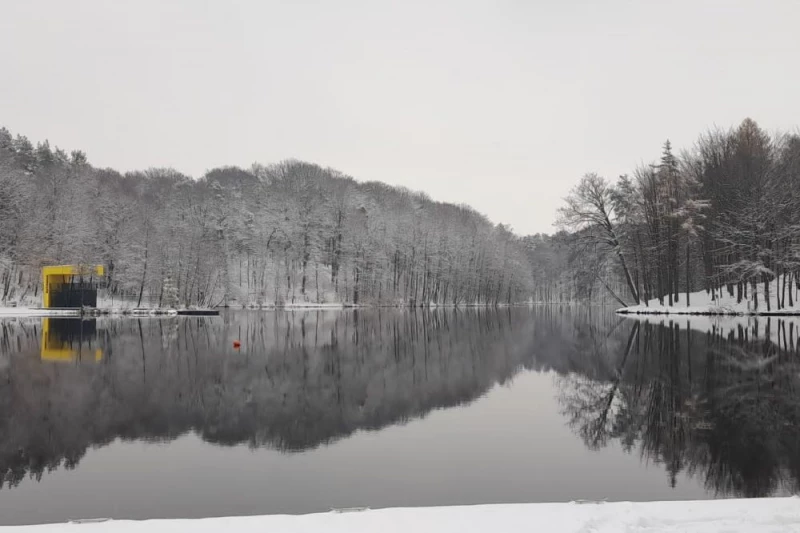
point(300, 379)
point(721, 404)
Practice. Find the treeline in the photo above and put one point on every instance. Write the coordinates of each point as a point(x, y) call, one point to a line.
point(564, 274)
point(721, 216)
point(286, 233)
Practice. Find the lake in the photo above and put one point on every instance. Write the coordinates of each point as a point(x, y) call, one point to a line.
point(164, 417)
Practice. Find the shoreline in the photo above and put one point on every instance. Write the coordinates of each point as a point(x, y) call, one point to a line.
point(758, 515)
point(690, 311)
point(39, 312)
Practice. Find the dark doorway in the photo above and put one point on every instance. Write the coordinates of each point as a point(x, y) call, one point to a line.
point(77, 294)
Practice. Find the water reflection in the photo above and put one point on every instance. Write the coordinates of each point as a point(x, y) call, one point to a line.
point(65, 340)
point(721, 405)
point(716, 400)
point(299, 380)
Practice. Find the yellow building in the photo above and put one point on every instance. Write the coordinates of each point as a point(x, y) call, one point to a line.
point(70, 285)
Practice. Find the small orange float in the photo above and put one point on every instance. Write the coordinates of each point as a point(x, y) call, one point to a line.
point(236, 344)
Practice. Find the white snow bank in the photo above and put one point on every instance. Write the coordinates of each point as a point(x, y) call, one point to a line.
point(12, 312)
point(296, 305)
point(725, 304)
point(32, 311)
point(769, 515)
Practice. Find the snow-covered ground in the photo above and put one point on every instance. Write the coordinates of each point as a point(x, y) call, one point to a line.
point(19, 312)
point(769, 515)
point(725, 304)
point(296, 305)
point(32, 311)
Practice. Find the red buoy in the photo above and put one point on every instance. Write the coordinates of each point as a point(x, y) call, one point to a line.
point(236, 344)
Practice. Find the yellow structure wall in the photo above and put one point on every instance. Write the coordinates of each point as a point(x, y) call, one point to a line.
point(55, 276)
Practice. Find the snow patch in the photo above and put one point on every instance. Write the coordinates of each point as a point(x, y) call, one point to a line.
point(723, 303)
point(33, 311)
point(768, 515)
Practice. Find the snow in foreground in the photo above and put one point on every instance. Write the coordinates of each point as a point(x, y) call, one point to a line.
point(771, 515)
point(725, 304)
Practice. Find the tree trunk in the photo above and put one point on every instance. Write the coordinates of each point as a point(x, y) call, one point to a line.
point(628, 277)
point(611, 292)
point(754, 289)
point(688, 279)
point(144, 270)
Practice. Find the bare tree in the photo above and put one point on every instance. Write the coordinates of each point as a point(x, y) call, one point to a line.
point(589, 209)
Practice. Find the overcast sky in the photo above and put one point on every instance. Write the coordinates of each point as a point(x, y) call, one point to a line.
point(502, 105)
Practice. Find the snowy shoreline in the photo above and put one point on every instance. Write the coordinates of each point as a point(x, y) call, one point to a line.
point(757, 301)
point(24, 312)
point(19, 312)
point(700, 311)
point(711, 516)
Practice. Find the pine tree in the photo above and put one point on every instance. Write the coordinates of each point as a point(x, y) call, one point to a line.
point(170, 299)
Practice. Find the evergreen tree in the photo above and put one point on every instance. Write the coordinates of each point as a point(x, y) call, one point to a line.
point(170, 295)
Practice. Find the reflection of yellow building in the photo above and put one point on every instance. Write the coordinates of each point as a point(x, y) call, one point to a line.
point(55, 278)
point(57, 346)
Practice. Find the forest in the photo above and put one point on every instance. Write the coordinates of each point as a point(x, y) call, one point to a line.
point(721, 217)
point(280, 234)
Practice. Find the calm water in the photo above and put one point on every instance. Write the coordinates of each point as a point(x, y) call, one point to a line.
point(138, 418)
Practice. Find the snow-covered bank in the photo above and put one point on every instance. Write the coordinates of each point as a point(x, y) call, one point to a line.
point(770, 515)
point(754, 302)
point(310, 306)
point(21, 312)
point(12, 312)
point(304, 306)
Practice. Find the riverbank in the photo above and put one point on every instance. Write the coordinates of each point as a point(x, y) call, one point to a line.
point(714, 516)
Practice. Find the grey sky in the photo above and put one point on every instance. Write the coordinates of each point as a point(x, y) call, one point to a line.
point(501, 105)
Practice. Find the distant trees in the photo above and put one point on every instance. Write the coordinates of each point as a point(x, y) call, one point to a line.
point(721, 217)
point(292, 232)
